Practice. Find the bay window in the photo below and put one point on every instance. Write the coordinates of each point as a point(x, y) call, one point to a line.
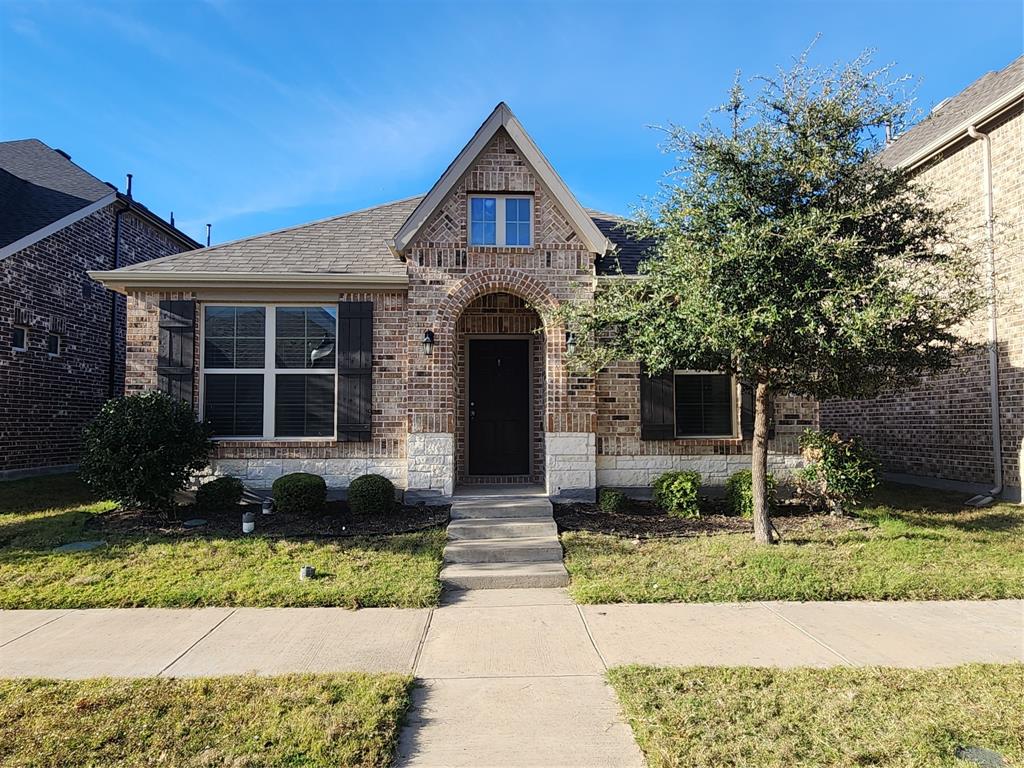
point(269, 371)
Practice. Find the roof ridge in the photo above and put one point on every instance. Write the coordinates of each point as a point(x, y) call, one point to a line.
point(290, 228)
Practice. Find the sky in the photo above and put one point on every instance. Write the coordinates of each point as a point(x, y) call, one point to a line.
point(253, 116)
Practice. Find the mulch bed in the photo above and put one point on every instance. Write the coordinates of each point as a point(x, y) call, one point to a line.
point(643, 520)
point(336, 522)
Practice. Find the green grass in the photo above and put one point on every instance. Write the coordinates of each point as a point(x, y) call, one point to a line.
point(242, 722)
point(918, 545)
point(844, 717)
point(152, 570)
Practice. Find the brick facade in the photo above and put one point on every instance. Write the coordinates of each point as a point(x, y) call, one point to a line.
point(942, 428)
point(47, 400)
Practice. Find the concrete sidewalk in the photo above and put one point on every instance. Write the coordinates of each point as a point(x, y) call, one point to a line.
point(499, 665)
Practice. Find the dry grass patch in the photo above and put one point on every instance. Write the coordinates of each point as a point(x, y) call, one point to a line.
point(806, 718)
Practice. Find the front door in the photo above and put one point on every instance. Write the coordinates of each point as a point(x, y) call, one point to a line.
point(499, 407)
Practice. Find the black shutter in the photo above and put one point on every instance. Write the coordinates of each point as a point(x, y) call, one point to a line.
point(174, 368)
point(747, 411)
point(355, 360)
point(657, 406)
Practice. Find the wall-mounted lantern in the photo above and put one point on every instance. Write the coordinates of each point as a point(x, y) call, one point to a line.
point(570, 343)
point(428, 342)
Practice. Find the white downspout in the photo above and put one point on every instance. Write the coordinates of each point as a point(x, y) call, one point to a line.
point(993, 332)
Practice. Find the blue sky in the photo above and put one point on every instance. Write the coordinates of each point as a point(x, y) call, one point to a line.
point(258, 115)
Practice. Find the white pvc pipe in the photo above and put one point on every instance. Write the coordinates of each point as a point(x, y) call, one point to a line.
point(993, 331)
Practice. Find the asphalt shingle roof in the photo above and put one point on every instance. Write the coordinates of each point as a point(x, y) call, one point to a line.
point(955, 111)
point(629, 249)
point(353, 243)
point(39, 186)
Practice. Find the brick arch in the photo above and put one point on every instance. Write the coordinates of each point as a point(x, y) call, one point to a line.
point(492, 281)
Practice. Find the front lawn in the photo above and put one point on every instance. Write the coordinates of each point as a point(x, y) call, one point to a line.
point(298, 720)
point(909, 544)
point(200, 568)
point(706, 717)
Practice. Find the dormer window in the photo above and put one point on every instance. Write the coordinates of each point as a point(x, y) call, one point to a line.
point(501, 220)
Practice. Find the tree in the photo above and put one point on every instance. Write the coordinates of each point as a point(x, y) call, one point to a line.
point(788, 255)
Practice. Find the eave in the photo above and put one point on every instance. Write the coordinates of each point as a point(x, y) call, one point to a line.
point(124, 281)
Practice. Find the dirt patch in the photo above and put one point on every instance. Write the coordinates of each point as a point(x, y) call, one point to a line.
point(338, 521)
point(643, 520)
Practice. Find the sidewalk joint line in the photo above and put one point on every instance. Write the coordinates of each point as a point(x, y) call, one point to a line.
point(515, 677)
point(423, 641)
point(800, 629)
point(44, 624)
point(586, 626)
point(197, 642)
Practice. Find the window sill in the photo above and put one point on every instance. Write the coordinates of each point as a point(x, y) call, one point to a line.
point(492, 249)
point(271, 442)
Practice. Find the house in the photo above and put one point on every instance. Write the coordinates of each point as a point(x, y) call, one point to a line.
point(965, 428)
point(413, 340)
point(62, 333)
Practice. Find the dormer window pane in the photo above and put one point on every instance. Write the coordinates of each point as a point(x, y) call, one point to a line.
point(483, 221)
point(517, 221)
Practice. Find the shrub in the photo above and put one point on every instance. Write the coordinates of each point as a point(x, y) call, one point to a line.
point(371, 494)
point(142, 449)
point(676, 493)
point(838, 473)
point(220, 494)
point(611, 501)
point(739, 493)
point(299, 493)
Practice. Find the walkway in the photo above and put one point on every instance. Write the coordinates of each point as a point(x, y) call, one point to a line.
point(509, 677)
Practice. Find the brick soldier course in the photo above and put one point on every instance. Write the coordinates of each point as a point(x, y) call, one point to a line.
point(57, 222)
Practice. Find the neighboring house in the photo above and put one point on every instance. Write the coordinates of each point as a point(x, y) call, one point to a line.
point(967, 425)
point(412, 339)
point(62, 333)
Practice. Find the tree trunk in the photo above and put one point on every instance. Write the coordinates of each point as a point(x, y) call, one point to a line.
point(759, 465)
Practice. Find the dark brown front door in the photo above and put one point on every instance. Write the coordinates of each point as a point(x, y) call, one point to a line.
point(499, 407)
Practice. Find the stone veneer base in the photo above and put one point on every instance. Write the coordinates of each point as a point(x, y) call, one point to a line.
point(431, 463)
point(338, 473)
point(642, 471)
point(569, 459)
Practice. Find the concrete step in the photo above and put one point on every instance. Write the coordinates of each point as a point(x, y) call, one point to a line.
point(500, 508)
point(540, 549)
point(510, 528)
point(503, 575)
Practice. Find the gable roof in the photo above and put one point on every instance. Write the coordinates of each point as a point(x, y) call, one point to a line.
point(40, 186)
point(502, 117)
point(981, 100)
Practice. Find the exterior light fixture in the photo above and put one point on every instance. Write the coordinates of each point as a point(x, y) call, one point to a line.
point(428, 342)
point(570, 343)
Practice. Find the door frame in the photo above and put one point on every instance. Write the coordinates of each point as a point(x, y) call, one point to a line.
point(529, 337)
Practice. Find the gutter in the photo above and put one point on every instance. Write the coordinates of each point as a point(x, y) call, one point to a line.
point(993, 329)
point(123, 280)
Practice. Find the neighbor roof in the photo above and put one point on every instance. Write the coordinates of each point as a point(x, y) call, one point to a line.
point(356, 244)
point(40, 186)
point(980, 101)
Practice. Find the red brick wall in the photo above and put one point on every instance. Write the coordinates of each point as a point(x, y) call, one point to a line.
point(942, 428)
point(46, 401)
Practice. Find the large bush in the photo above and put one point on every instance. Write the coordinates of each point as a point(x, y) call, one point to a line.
point(611, 501)
point(371, 495)
point(299, 493)
point(218, 495)
point(739, 493)
point(141, 449)
point(838, 473)
point(676, 493)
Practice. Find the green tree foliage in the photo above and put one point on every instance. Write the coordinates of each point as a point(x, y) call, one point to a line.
point(838, 473)
point(788, 255)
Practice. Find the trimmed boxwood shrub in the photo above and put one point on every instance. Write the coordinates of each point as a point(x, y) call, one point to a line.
point(611, 501)
point(142, 449)
point(371, 494)
point(676, 493)
point(739, 493)
point(299, 493)
point(220, 494)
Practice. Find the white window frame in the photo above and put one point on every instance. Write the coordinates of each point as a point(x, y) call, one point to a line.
point(733, 406)
point(269, 371)
point(24, 330)
point(499, 219)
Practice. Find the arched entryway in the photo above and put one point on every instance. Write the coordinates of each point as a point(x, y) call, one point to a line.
point(500, 381)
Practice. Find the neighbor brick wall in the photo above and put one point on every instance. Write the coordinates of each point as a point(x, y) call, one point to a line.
point(942, 428)
point(46, 401)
